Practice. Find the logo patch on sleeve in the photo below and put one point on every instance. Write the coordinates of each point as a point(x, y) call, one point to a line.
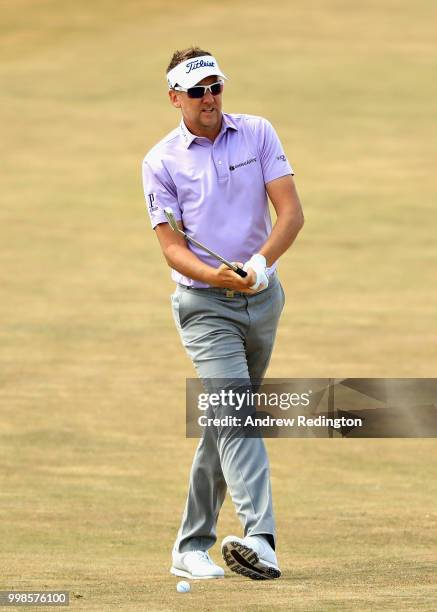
point(151, 202)
point(281, 158)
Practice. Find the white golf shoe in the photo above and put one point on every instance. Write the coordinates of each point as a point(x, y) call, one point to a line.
point(251, 556)
point(195, 564)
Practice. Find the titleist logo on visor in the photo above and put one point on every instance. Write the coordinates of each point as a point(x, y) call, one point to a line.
point(197, 64)
point(245, 163)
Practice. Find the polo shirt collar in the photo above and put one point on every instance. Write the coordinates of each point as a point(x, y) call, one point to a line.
point(228, 123)
point(188, 137)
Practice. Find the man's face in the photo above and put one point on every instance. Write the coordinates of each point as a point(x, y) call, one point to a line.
point(202, 116)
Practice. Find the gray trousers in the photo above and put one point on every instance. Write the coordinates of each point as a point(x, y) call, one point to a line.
point(227, 337)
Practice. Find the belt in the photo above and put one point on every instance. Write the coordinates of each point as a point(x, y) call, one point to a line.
point(230, 293)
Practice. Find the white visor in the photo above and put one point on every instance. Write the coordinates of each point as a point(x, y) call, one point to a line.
point(188, 73)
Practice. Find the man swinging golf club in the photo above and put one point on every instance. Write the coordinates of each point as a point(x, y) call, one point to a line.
point(212, 174)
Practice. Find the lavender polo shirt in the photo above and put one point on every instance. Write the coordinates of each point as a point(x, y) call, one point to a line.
point(217, 188)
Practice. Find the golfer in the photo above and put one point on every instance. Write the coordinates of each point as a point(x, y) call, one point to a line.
point(215, 171)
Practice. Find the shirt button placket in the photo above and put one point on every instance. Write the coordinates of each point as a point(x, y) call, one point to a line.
point(219, 164)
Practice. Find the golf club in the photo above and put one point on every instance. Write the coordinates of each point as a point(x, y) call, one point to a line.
point(174, 226)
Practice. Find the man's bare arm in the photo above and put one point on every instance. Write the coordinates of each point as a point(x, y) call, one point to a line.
point(283, 195)
point(180, 258)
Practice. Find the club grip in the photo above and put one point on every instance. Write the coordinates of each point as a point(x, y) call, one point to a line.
point(241, 272)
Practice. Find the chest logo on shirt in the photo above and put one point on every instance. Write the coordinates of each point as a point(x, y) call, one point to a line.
point(245, 163)
point(151, 198)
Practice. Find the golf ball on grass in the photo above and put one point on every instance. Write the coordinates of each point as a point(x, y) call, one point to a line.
point(183, 587)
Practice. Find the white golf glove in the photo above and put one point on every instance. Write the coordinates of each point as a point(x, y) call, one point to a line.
point(258, 264)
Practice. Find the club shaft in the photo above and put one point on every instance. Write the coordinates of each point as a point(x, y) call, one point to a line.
point(205, 248)
point(175, 227)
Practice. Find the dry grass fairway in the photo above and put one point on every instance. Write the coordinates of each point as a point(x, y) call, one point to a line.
point(93, 459)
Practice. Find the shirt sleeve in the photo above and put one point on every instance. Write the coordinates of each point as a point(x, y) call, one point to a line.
point(159, 193)
point(274, 162)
